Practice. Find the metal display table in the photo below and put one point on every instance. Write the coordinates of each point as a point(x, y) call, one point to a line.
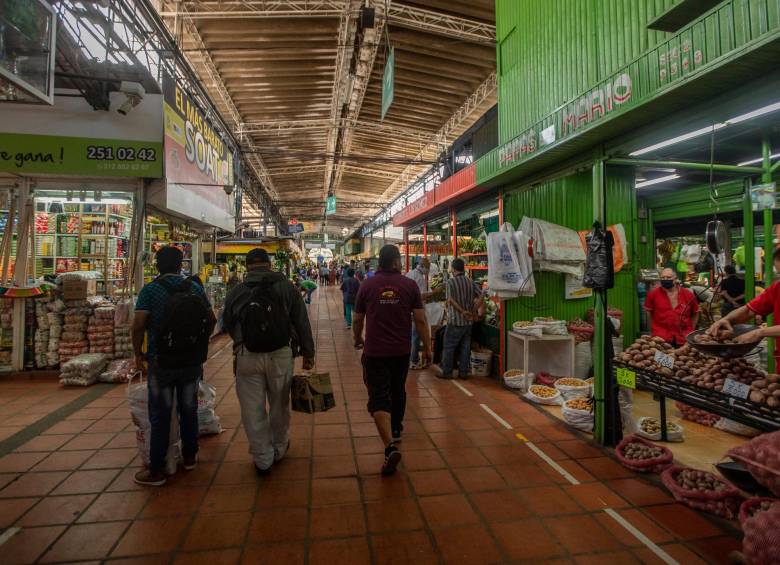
point(740, 410)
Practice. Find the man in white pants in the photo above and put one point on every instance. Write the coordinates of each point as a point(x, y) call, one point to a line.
point(267, 319)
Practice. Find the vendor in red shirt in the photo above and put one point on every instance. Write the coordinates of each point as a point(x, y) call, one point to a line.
point(768, 302)
point(673, 309)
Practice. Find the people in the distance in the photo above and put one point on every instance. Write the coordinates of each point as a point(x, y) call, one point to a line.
point(732, 290)
point(674, 310)
point(267, 320)
point(768, 302)
point(384, 304)
point(420, 276)
point(464, 301)
point(307, 288)
point(177, 319)
point(349, 290)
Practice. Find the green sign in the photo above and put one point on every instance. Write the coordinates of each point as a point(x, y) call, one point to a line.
point(26, 153)
point(388, 83)
point(626, 377)
point(330, 206)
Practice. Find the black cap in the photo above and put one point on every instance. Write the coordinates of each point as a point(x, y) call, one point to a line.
point(257, 256)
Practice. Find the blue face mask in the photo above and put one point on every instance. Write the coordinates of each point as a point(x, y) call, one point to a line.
point(667, 284)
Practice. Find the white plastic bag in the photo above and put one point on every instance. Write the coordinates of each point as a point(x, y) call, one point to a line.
point(580, 419)
point(674, 431)
point(138, 401)
point(434, 311)
point(583, 360)
point(556, 399)
point(208, 421)
point(570, 392)
point(517, 380)
point(732, 427)
point(528, 286)
point(503, 266)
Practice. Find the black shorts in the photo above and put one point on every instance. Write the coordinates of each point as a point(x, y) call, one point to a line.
point(385, 379)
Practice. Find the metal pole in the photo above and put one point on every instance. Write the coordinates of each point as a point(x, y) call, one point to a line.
point(406, 247)
point(687, 165)
point(749, 244)
point(769, 247)
point(425, 239)
point(501, 303)
point(600, 313)
point(454, 231)
point(22, 235)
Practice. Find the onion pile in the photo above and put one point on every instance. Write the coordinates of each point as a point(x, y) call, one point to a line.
point(697, 415)
point(761, 456)
point(691, 479)
point(761, 544)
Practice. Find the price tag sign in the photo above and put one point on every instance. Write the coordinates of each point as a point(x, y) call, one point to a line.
point(736, 388)
point(664, 360)
point(626, 377)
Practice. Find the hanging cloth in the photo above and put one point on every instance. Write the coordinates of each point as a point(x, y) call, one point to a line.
point(599, 266)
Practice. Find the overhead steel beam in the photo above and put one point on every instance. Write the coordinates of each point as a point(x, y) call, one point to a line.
point(346, 204)
point(400, 14)
point(446, 133)
point(434, 22)
point(293, 126)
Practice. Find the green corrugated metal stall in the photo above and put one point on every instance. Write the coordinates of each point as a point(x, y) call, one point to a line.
point(568, 202)
point(551, 51)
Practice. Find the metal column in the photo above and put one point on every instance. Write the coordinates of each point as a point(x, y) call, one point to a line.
point(748, 230)
point(501, 303)
point(769, 246)
point(600, 315)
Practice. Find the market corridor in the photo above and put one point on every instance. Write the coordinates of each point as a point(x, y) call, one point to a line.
point(470, 489)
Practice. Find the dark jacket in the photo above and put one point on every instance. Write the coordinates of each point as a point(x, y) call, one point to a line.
point(238, 297)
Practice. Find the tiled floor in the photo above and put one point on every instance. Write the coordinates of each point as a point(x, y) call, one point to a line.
point(468, 491)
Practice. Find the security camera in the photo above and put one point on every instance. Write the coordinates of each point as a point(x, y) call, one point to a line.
point(134, 93)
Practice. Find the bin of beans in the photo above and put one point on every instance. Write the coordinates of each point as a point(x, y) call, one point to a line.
point(644, 456)
point(703, 491)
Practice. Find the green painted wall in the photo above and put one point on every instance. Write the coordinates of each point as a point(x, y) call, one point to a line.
point(568, 202)
point(550, 51)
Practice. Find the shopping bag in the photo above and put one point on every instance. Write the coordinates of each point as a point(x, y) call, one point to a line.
point(503, 265)
point(312, 392)
point(138, 401)
point(208, 421)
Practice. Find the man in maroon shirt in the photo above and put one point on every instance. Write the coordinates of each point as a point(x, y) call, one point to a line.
point(385, 302)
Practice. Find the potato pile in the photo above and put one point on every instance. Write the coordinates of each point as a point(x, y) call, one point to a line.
point(640, 451)
point(543, 391)
point(652, 426)
point(766, 390)
point(578, 404)
point(697, 415)
point(707, 339)
point(641, 354)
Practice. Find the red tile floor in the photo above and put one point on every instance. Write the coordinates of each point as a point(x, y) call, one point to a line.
point(469, 490)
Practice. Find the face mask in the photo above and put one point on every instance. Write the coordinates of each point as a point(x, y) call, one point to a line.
point(667, 284)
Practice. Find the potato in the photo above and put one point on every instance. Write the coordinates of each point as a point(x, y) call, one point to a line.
point(756, 396)
point(762, 383)
point(773, 402)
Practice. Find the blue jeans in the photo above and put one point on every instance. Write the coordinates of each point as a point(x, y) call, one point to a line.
point(348, 313)
point(307, 299)
point(415, 355)
point(456, 338)
point(163, 384)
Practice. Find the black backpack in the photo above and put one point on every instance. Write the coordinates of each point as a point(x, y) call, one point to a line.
point(265, 322)
point(183, 339)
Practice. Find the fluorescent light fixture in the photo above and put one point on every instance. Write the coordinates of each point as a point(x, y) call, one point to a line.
point(703, 131)
point(486, 215)
point(754, 114)
point(656, 181)
point(675, 140)
point(754, 161)
point(63, 200)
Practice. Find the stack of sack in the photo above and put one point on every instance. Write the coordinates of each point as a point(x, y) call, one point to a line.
point(101, 331)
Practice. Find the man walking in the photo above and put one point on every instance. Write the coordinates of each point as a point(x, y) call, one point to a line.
point(420, 276)
point(385, 302)
point(267, 320)
point(464, 299)
point(177, 319)
point(349, 289)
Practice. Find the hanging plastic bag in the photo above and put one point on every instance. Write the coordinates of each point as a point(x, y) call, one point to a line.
point(599, 272)
point(522, 244)
point(208, 421)
point(138, 401)
point(503, 265)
